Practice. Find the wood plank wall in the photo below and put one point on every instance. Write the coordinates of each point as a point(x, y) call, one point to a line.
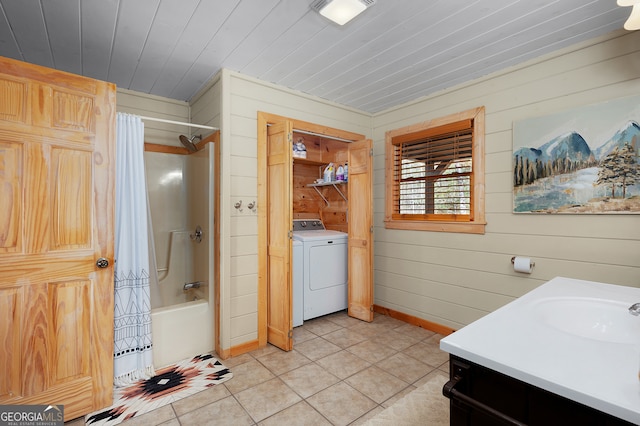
point(454, 279)
point(146, 105)
point(241, 98)
point(448, 279)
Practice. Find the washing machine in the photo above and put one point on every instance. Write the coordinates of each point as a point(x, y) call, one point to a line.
point(324, 268)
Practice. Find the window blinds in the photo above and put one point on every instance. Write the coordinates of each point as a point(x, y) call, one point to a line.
point(433, 173)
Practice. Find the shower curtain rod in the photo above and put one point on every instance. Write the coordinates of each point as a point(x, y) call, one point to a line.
point(162, 120)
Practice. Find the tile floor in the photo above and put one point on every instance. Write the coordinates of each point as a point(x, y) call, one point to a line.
point(342, 371)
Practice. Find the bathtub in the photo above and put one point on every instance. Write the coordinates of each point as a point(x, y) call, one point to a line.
point(178, 331)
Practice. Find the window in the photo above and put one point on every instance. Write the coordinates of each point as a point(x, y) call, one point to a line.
point(435, 175)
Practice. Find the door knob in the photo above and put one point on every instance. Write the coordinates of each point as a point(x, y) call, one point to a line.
point(102, 262)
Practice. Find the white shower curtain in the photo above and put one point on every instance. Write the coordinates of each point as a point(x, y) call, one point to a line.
point(133, 356)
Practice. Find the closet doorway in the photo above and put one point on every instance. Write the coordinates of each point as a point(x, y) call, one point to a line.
point(282, 202)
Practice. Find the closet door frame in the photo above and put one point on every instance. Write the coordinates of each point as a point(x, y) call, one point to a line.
point(264, 304)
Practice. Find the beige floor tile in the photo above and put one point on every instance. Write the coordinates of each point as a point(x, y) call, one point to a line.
point(385, 319)
point(317, 348)
point(371, 351)
point(371, 330)
point(404, 367)
point(280, 362)
point(383, 362)
point(343, 364)
point(344, 337)
point(301, 414)
point(343, 320)
point(395, 340)
point(341, 404)
point(371, 414)
point(434, 339)
point(415, 332)
point(320, 326)
point(152, 418)
point(75, 422)
point(434, 373)
point(201, 399)
point(309, 379)
point(248, 375)
point(301, 335)
point(236, 360)
point(227, 411)
point(269, 349)
point(368, 333)
point(429, 353)
point(267, 398)
point(376, 384)
point(389, 402)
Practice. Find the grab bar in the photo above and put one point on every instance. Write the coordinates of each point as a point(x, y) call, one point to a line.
point(449, 390)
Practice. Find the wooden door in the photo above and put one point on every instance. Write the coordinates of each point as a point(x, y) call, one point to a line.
point(57, 146)
point(360, 223)
point(279, 219)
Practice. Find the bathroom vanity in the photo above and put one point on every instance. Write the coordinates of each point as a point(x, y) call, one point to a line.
point(567, 352)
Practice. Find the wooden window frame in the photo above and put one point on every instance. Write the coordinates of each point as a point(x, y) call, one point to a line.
point(475, 222)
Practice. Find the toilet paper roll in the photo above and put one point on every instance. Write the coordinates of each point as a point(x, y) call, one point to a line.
point(522, 264)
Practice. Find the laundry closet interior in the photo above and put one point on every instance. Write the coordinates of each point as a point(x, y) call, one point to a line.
point(318, 226)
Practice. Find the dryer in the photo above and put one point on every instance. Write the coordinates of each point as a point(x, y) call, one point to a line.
point(324, 268)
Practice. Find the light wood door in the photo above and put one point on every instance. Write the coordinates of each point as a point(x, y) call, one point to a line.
point(279, 219)
point(360, 224)
point(57, 146)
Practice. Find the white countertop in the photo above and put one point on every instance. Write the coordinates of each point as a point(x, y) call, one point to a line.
point(516, 341)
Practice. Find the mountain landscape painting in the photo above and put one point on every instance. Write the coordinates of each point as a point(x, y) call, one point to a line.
point(579, 161)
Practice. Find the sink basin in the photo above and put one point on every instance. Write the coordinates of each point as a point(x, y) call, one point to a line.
point(597, 319)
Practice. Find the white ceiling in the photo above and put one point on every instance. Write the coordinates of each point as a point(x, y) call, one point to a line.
point(396, 51)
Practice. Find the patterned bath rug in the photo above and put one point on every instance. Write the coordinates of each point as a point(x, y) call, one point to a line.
point(170, 384)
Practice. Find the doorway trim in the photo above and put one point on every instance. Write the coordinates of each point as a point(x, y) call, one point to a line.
point(264, 120)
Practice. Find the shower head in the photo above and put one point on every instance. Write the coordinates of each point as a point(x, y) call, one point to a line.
point(188, 142)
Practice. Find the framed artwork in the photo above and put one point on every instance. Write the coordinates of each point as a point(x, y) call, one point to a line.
point(584, 160)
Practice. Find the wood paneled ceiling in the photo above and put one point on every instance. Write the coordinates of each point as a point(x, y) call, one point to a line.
point(395, 52)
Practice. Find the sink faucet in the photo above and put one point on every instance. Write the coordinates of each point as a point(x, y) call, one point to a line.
point(635, 309)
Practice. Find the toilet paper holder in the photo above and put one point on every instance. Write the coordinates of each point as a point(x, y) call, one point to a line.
point(513, 261)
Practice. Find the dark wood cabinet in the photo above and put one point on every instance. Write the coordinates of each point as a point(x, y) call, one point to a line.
point(492, 398)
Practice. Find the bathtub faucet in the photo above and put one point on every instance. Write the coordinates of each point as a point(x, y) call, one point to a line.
point(195, 284)
point(635, 309)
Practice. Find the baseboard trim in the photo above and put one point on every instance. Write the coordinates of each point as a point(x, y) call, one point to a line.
point(243, 348)
point(427, 325)
point(223, 353)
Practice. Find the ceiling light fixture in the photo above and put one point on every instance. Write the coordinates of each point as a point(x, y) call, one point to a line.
point(341, 11)
point(633, 22)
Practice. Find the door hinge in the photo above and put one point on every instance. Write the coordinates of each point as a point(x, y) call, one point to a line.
point(290, 137)
point(371, 308)
point(290, 335)
point(371, 152)
point(290, 234)
point(371, 229)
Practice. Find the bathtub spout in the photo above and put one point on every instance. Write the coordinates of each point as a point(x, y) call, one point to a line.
point(195, 284)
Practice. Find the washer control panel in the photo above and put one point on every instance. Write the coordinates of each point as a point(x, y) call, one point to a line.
point(308, 225)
